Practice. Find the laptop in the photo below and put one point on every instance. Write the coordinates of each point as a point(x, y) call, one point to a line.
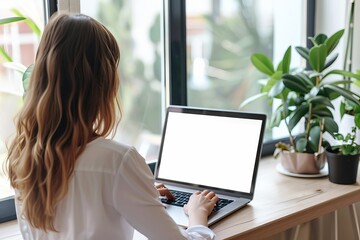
point(209, 149)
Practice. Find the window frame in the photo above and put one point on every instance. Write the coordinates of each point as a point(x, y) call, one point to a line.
point(176, 24)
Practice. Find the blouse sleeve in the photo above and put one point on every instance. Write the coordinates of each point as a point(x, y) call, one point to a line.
point(137, 200)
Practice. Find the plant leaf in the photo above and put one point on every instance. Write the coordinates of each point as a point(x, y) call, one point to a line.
point(333, 41)
point(301, 145)
point(314, 92)
point(11, 20)
point(295, 83)
point(276, 118)
point(252, 99)
point(321, 112)
point(312, 39)
point(15, 66)
point(306, 80)
point(311, 147)
point(338, 82)
point(298, 113)
point(317, 57)
point(286, 60)
point(357, 83)
point(339, 136)
point(357, 120)
point(314, 137)
point(330, 61)
point(320, 38)
point(314, 74)
point(26, 77)
point(272, 81)
point(5, 55)
point(343, 92)
point(262, 63)
point(329, 93)
point(342, 109)
point(321, 100)
point(343, 73)
point(304, 52)
point(330, 126)
point(276, 89)
point(279, 67)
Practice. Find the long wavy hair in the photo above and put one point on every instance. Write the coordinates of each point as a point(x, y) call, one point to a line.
point(72, 99)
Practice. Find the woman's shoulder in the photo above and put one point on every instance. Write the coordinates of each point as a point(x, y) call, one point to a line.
point(103, 155)
point(109, 145)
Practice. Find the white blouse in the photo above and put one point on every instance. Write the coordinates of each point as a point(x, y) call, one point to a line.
point(111, 193)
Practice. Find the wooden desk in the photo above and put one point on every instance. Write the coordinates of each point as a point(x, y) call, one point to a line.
point(282, 202)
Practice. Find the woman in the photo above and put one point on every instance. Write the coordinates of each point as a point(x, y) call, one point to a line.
point(71, 182)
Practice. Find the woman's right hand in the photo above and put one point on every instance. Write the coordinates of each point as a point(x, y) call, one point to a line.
point(199, 207)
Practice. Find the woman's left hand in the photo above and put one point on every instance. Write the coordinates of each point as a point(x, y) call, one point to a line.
point(164, 191)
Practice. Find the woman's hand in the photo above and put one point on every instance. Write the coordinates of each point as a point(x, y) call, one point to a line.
point(200, 206)
point(164, 191)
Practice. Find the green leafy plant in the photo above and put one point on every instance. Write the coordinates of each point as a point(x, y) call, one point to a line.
point(351, 108)
point(348, 145)
point(305, 95)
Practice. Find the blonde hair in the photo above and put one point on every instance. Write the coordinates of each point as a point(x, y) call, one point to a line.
point(72, 99)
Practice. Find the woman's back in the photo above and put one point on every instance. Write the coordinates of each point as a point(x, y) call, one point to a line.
point(109, 180)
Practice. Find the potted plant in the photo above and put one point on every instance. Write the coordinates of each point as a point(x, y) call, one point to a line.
point(343, 158)
point(305, 99)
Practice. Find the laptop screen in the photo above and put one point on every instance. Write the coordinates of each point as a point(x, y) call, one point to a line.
point(211, 148)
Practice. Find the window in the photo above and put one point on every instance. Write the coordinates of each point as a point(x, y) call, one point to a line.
point(20, 42)
point(138, 32)
point(218, 39)
point(209, 56)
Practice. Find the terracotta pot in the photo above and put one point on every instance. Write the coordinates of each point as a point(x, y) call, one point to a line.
point(303, 163)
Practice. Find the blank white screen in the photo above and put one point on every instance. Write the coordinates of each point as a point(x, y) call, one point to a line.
point(210, 150)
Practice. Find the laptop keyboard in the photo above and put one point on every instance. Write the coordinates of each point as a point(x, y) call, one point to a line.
point(181, 198)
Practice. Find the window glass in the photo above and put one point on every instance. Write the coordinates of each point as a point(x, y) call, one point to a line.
point(136, 26)
point(221, 37)
point(20, 42)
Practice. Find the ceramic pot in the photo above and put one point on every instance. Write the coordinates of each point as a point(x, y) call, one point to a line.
point(342, 169)
point(302, 163)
